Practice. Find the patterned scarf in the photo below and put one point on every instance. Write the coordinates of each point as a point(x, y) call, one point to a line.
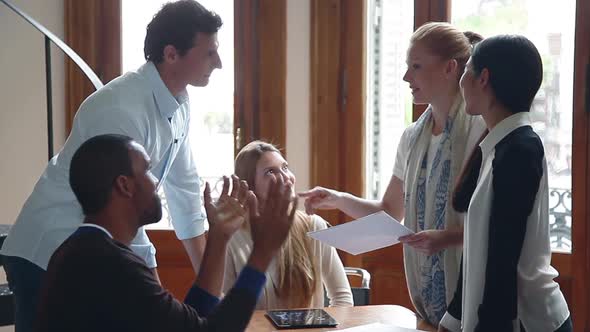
point(432, 279)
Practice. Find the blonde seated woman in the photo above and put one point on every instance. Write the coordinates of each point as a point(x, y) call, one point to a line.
point(304, 266)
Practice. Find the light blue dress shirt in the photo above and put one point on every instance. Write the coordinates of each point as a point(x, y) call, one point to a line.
point(139, 105)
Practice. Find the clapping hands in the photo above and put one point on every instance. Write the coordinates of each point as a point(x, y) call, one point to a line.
point(271, 223)
point(227, 214)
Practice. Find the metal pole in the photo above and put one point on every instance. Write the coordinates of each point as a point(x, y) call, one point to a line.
point(49, 98)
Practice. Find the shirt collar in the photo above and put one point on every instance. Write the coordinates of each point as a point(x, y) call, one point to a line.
point(502, 129)
point(167, 103)
point(97, 226)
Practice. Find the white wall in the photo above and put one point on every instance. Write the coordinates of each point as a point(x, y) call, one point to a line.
point(298, 90)
point(23, 133)
point(23, 124)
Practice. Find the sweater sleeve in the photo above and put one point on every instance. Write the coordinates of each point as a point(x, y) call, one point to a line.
point(155, 309)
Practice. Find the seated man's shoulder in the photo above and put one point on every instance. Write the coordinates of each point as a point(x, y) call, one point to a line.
point(90, 254)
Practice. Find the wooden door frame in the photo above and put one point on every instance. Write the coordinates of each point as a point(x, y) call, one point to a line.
point(260, 39)
point(580, 258)
point(337, 100)
point(91, 28)
point(337, 96)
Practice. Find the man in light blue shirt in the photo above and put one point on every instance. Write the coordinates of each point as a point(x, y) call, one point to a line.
point(149, 105)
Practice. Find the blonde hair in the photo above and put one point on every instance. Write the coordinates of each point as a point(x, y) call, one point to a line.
point(444, 40)
point(297, 265)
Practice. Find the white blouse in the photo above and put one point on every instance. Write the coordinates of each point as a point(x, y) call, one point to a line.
point(507, 276)
point(329, 264)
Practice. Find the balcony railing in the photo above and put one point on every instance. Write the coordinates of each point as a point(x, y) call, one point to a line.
point(560, 219)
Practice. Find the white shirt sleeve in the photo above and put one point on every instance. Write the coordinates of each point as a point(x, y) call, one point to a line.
point(143, 247)
point(450, 323)
point(333, 275)
point(183, 194)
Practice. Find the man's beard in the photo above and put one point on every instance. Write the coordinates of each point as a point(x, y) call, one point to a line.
point(154, 214)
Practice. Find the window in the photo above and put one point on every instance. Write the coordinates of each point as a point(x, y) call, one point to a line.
point(389, 101)
point(551, 28)
point(212, 108)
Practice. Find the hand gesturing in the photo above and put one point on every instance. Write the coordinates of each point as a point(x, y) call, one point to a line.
point(271, 223)
point(227, 214)
point(320, 198)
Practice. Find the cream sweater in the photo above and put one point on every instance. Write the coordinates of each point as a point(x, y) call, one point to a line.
point(330, 268)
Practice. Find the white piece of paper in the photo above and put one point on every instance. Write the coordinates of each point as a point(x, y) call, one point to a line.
point(375, 231)
point(377, 327)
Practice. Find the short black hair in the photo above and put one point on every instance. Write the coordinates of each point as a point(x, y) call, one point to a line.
point(94, 168)
point(515, 67)
point(516, 73)
point(177, 23)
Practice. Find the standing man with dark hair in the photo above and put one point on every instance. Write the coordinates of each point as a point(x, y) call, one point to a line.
point(95, 283)
point(151, 106)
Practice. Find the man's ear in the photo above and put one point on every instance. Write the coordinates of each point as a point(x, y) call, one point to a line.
point(125, 186)
point(170, 54)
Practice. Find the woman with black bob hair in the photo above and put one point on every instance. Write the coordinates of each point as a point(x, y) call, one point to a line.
point(506, 282)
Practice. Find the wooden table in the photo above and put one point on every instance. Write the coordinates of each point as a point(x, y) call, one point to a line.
point(347, 317)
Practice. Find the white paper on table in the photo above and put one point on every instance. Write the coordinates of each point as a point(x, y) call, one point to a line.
point(377, 327)
point(375, 231)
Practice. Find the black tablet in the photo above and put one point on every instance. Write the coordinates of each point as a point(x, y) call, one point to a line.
point(301, 318)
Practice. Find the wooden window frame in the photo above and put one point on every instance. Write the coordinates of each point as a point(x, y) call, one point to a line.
point(91, 28)
point(260, 39)
point(337, 100)
point(580, 257)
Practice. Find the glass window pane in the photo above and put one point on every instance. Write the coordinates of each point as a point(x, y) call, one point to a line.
point(389, 101)
point(551, 28)
point(212, 107)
